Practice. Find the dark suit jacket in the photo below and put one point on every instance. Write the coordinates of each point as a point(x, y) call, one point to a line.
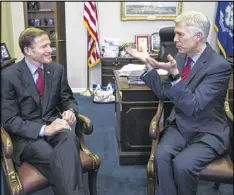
point(199, 101)
point(22, 114)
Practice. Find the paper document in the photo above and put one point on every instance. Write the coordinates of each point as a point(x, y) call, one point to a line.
point(127, 69)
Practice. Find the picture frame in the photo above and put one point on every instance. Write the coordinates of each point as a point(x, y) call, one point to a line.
point(155, 42)
point(5, 54)
point(150, 10)
point(143, 42)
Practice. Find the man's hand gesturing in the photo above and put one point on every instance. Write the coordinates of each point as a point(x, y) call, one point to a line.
point(170, 66)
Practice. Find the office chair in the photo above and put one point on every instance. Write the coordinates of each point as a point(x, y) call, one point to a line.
point(167, 44)
point(26, 179)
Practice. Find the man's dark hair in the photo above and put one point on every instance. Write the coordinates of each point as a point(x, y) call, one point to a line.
point(27, 37)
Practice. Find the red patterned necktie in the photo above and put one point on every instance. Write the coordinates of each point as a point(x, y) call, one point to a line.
point(40, 82)
point(186, 69)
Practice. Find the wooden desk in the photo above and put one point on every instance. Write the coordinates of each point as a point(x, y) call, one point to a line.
point(135, 106)
point(110, 63)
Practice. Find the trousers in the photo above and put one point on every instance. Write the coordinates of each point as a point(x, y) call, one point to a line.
point(57, 158)
point(179, 163)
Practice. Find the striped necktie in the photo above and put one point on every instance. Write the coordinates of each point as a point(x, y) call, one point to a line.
point(186, 69)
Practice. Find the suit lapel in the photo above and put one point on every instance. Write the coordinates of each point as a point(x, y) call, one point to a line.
point(199, 64)
point(49, 71)
point(28, 82)
point(180, 63)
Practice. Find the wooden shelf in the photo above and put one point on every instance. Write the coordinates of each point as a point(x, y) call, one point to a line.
point(43, 26)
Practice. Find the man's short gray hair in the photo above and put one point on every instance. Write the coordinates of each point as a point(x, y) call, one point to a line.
point(196, 21)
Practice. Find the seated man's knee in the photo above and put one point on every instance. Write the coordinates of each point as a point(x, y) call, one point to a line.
point(162, 154)
point(65, 134)
point(181, 166)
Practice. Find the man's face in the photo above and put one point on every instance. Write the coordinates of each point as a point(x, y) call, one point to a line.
point(185, 41)
point(40, 51)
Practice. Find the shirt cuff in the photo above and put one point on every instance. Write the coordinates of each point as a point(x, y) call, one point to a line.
point(41, 134)
point(175, 82)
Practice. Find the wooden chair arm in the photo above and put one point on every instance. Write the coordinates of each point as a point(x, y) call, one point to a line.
point(12, 178)
point(7, 146)
point(8, 167)
point(85, 125)
point(156, 124)
point(227, 107)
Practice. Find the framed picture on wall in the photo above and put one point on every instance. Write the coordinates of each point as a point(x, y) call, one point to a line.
point(150, 10)
point(142, 42)
point(5, 54)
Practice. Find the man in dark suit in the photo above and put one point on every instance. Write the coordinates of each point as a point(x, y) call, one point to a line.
point(197, 83)
point(38, 110)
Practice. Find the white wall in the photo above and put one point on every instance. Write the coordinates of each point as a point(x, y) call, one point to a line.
point(12, 23)
point(109, 25)
point(17, 10)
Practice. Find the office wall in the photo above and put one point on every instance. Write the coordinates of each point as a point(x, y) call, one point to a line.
point(11, 25)
point(6, 26)
point(109, 25)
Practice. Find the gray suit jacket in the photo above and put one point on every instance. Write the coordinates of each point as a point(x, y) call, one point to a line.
point(199, 101)
point(22, 114)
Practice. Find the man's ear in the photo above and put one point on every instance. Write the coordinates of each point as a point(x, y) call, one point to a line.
point(28, 51)
point(199, 36)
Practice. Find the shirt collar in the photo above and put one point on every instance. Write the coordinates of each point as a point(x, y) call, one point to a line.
point(32, 67)
point(196, 56)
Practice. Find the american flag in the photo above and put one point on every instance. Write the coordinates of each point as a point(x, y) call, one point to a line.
point(91, 23)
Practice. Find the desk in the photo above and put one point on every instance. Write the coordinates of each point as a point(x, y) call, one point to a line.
point(135, 106)
point(110, 63)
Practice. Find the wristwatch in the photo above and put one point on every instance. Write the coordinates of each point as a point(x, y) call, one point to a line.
point(174, 77)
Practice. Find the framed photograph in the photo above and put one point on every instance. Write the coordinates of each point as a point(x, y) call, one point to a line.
point(155, 41)
point(150, 10)
point(5, 55)
point(143, 42)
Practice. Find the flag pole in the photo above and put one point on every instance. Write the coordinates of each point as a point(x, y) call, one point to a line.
point(87, 92)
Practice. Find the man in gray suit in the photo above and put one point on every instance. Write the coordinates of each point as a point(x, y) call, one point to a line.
point(34, 93)
point(197, 82)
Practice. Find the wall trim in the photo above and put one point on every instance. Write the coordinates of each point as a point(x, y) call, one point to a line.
point(79, 90)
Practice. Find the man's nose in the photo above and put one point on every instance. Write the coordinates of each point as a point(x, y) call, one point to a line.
point(49, 49)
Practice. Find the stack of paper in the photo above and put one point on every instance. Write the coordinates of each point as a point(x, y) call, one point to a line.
point(134, 77)
point(127, 69)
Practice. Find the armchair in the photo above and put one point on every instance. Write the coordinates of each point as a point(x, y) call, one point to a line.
point(167, 44)
point(218, 171)
point(26, 179)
